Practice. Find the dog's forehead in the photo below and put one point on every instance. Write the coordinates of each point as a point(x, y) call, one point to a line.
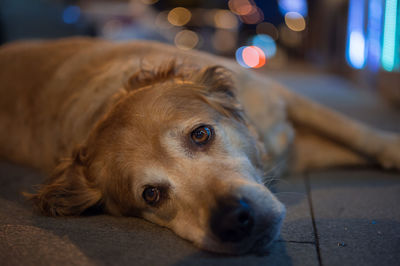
point(138, 123)
point(155, 124)
point(173, 102)
point(151, 112)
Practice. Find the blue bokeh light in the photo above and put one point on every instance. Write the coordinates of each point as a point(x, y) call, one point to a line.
point(71, 14)
point(389, 35)
point(355, 48)
point(374, 34)
point(239, 57)
point(299, 6)
point(265, 43)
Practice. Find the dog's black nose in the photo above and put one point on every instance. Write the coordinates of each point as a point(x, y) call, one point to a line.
point(232, 220)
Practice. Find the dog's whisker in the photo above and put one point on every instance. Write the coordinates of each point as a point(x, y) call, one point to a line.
point(269, 182)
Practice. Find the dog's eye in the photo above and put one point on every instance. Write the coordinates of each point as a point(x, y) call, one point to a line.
point(202, 135)
point(151, 195)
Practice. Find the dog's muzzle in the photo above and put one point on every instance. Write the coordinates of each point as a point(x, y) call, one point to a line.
point(232, 220)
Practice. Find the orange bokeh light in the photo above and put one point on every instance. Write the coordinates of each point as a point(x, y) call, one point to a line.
point(253, 57)
point(240, 7)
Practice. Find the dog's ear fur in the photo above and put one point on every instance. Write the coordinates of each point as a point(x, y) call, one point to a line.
point(68, 191)
point(148, 75)
point(219, 84)
point(217, 79)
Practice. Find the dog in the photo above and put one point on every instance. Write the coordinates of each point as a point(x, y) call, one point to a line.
point(183, 139)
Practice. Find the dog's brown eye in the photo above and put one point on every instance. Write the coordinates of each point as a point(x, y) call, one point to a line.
point(202, 135)
point(151, 195)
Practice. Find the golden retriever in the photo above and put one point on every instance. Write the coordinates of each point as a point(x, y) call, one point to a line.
point(183, 139)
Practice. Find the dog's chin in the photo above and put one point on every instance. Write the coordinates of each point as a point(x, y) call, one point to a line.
point(262, 245)
point(258, 247)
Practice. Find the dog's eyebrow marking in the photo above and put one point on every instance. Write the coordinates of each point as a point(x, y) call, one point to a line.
point(155, 174)
point(172, 143)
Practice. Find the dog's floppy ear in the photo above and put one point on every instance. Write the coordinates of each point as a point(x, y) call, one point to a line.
point(148, 75)
point(219, 86)
point(68, 191)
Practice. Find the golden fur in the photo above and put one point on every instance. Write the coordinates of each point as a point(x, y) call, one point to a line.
point(107, 120)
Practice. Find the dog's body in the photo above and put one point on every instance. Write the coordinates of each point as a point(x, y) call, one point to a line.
point(81, 86)
point(134, 117)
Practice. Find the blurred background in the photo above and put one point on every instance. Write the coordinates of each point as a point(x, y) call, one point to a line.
point(358, 40)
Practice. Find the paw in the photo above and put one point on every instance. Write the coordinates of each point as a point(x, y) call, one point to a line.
point(389, 158)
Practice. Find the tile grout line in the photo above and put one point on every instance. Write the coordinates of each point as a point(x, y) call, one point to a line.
point(316, 236)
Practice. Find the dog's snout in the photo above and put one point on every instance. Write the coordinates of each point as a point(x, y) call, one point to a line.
point(232, 220)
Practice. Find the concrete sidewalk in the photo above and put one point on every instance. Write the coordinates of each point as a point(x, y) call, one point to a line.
point(335, 217)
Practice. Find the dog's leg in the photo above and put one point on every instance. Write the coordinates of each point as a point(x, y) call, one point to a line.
point(384, 147)
point(311, 151)
point(264, 98)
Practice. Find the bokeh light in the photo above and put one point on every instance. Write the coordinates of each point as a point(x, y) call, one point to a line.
point(239, 57)
point(299, 6)
point(71, 14)
point(253, 56)
point(224, 19)
point(268, 29)
point(186, 39)
point(179, 16)
point(389, 35)
point(374, 34)
point(357, 49)
point(240, 7)
point(250, 57)
point(295, 21)
point(253, 17)
point(265, 43)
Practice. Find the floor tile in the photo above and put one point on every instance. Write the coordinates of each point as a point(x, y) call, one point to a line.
point(357, 216)
point(297, 225)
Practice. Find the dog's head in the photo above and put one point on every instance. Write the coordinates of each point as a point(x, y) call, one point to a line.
point(176, 150)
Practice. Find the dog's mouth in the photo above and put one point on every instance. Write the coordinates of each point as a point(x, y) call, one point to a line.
point(262, 245)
